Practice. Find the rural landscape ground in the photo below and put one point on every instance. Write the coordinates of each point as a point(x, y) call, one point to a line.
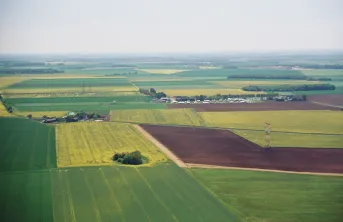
point(204, 146)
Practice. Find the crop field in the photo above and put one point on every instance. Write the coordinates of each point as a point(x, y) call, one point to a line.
point(92, 143)
point(160, 193)
point(293, 139)
point(273, 73)
point(208, 92)
point(71, 94)
point(103, 107)
point(80, 89)
point(128, 98)
point(3, 111)
point(241, 83)
point(318, 121)
point(164, 85)
point(26, 145)
point(267, 196)
point(40, 114)
point(26, 196)
point(162, 71)
point(69, 82)
point(156, 116)
point(7, 81)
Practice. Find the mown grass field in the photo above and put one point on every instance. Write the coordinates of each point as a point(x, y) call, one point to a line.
point(156, 116)
point(160, 193)
point(162, 71)
point(26, 196)
point(26, 145)
point(293, 139)
point(319, 121)
point(267, 196)
point(92, 143)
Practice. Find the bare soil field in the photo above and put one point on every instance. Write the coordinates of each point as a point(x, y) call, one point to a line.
point(263, 106)
point(336, 100)
point(224, 148)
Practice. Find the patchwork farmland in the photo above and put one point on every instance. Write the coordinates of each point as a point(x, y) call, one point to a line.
point(68, 171)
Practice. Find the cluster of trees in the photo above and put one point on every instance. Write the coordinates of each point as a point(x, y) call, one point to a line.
point(30, 71)
point(304, 87)
point(133, 158)
point(318, 79)
point(8, 108)
point(82, 115)
point(153, 93)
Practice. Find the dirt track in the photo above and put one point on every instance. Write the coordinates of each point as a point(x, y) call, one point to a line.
point(224, 148)
point(336, 100)
point(263, 106)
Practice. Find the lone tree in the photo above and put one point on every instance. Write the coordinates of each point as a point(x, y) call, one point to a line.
point(29, 116)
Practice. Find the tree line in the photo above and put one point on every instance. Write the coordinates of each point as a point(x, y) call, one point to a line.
point(153, 93)
point(304, 87)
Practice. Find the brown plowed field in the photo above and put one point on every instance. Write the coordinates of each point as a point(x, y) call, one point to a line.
point(263, 106)
point(224, 148)
point(336, 100)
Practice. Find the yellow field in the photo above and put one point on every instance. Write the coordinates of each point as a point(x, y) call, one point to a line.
point(293, 139)
point(155, 116)
point(3, 111)
point(94, 143)
point(207, 92)
point(162, 71)
point(240, 84)
point(7, 81)
point(38, 114)
point(73, 89)
point(319, 121)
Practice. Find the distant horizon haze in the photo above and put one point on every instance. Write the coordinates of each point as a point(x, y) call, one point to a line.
point(170, 26)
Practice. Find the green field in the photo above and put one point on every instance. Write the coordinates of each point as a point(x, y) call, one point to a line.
point(266, 196)
point(161, 193)
point(26, 145)
point(70, 82)
point(271, 73)
point(105, 107)
point(26, 196)
point(162, 85)
point(293, 139)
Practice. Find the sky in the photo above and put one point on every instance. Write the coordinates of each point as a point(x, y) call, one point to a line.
point(150, 26)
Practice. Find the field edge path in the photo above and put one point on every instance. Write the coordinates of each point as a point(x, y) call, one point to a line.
point(163, 148)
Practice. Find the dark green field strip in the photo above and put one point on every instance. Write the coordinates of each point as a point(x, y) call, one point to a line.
point(26, 197)
point(244, 73)
point(26, 145)
point(59, 83)
point(93, 107)
point(161, 193)
point(267, 196)
point(128, 98)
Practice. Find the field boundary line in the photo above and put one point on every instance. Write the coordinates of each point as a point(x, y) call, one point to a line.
point(206, 166)
point(163, 148)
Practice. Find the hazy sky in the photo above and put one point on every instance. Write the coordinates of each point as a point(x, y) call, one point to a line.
point(113, 26)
